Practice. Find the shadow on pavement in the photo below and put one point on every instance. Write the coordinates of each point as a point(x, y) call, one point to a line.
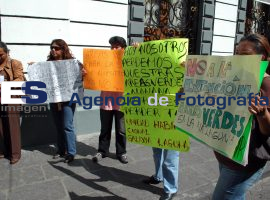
point(104, 174)
point(50, 149)
point(74, 196)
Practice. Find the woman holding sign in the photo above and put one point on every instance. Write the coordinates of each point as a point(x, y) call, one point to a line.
point(10, 132)
point(235, 179)
point(63, 113)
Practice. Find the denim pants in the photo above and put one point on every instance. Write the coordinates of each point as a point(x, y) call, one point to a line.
point(233, 184)
point(166, 166)
point(66, 138)
point(106, 119)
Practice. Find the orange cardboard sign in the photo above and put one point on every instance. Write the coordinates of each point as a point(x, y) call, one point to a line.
point(104, 69)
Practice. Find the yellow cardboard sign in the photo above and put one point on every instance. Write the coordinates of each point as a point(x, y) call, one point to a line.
point(154, 67)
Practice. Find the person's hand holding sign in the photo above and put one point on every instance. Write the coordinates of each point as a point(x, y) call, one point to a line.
point(84, 72)
point(258, 106)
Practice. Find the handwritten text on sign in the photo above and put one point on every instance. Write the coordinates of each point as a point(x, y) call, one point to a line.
point(62, 78)
point(218, 77)
point(104, 70)
point(154, 67)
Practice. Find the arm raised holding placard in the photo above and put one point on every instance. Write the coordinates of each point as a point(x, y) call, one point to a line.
point(63, 113)
point(110, 111)
point(235, 179)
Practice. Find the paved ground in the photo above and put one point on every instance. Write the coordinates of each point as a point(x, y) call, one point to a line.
point(38, 177)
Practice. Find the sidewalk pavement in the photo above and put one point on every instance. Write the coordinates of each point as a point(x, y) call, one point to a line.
point(39, 177)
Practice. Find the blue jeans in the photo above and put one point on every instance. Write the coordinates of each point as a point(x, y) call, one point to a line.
point(166, 165)
point(66, 138)
point(233, 184)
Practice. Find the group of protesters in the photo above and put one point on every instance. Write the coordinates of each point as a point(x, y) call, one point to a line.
point(234, 179)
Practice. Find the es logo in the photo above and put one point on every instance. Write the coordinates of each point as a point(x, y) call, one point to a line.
point(19, 88)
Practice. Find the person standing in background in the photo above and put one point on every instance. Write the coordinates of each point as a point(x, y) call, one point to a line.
point(10, 131)
point(107, 113)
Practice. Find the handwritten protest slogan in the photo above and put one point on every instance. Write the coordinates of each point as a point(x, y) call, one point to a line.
point(220, 127)
point(104, 69)
point(154, 67)
point(62, 79)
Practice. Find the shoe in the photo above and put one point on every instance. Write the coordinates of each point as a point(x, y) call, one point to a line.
point(2, 156)
point(167, 196)
point(69, 158)
point(151, 181)
point(98, 157)
point(123, 159)
point(14, 160)
point(57, 155)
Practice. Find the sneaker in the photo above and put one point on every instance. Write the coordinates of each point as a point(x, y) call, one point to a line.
point(151, 181)
point(123, 159)
point(97, 157)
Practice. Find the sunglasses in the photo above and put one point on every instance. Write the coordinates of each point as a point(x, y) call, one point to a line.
point(55, 48)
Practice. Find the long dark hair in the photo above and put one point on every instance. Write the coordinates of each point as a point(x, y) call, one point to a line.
point(64, 47)
point(262, 46)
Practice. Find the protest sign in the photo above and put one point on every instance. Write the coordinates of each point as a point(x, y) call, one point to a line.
point(241, 151)
point(153, 70)
point(214, 110)
point(104, 69)
point(62, 79)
